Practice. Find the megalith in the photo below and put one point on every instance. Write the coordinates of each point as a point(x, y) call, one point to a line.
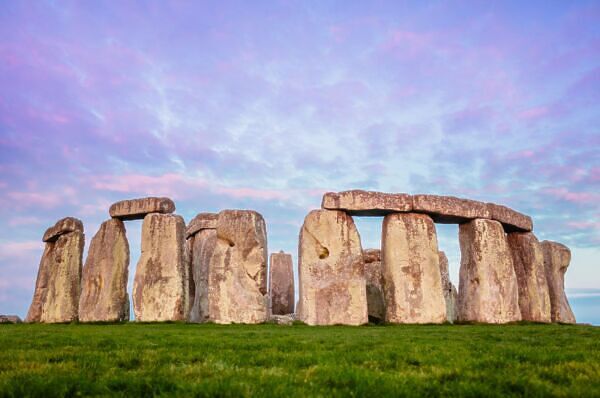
point(281, 283)
point(374, 279)
point(557, 258)
point(104, 282)
point(137, 209)
point(58, 284)
point(237, 272)
point(201, 236)
point(411, 271)
point(488, 290)
point(528, 260)
point(450, 293)
point(331, 270)
point(160, 287)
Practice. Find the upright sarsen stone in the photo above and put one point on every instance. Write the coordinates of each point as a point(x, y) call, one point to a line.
point(104, 282)
point(237, 274)
point(331, 270)
point(201, 244)
point(160, 287)
point(56, 298)
point(411, 271)
point(556, 261)
point(528, 260)
point(281, 284)
point(374, 278)
point(488, 290)
point(450, 293)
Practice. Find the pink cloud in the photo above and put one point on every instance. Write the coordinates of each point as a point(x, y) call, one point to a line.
point(28, 199)
point(573, 197)
point(584, 224)
point(534, 113)
point(10, 250)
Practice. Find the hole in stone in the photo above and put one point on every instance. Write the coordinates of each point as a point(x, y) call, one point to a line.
point(231, 244)
point(324, 253)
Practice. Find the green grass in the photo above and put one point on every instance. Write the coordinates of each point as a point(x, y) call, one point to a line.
point(270, 360)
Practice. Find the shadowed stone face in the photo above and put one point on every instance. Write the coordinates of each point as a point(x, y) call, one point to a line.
point(160, 287)
point(56, 296)
point(450, 293)
point(281, 284)
point(411, 271)
point(202, 245)
point(331, 270)
point(488, 290)
point(237, 282)
point(104, 282)
point(528, 260)
point(556, 261)
point(374, 277)
point(137, 209)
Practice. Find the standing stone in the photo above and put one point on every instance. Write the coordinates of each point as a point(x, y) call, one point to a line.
point(202, 244)
point(104, 282)
point(556, 261)
point(331, 270)
point(528, 260)
point(281, 284)
point(160, 287)
point(411, 271)
point(237, 282)
point(62, 226)
point(450, 293)
point(488, 290)
point(374, 277)
point(56, 296)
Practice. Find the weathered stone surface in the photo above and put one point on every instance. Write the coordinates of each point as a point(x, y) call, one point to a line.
point(104, 282)
point(200, 222)
point(160, 287)
point(557, 258)
point(281, 283)
point(56, 296)
point(528, 260)
point(63, 226)
point(411, 271)
point(448, 209)
point(10, 319)
point(137, 209)
point(450, 293)
point(488, 290)
point(512, 220)
point(374, 277)
point(202, 245)
point(287, 320)
point(367, 203)
point(331, 270)
point(237, 280)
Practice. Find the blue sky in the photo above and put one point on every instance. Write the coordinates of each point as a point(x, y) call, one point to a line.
point(225, 105)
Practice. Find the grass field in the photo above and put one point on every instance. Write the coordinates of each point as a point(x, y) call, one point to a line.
point(270, 360)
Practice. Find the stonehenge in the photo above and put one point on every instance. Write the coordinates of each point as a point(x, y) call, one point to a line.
point(281, 283)
point(104, 295)
point(58, 284)
point(488, 290)
point(237, 271)
point(411, 271)
point(215, 268)
point(556, 260)
point(331, 270)
point(160, 287)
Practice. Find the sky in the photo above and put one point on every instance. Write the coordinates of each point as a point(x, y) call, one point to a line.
point(267, 105)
